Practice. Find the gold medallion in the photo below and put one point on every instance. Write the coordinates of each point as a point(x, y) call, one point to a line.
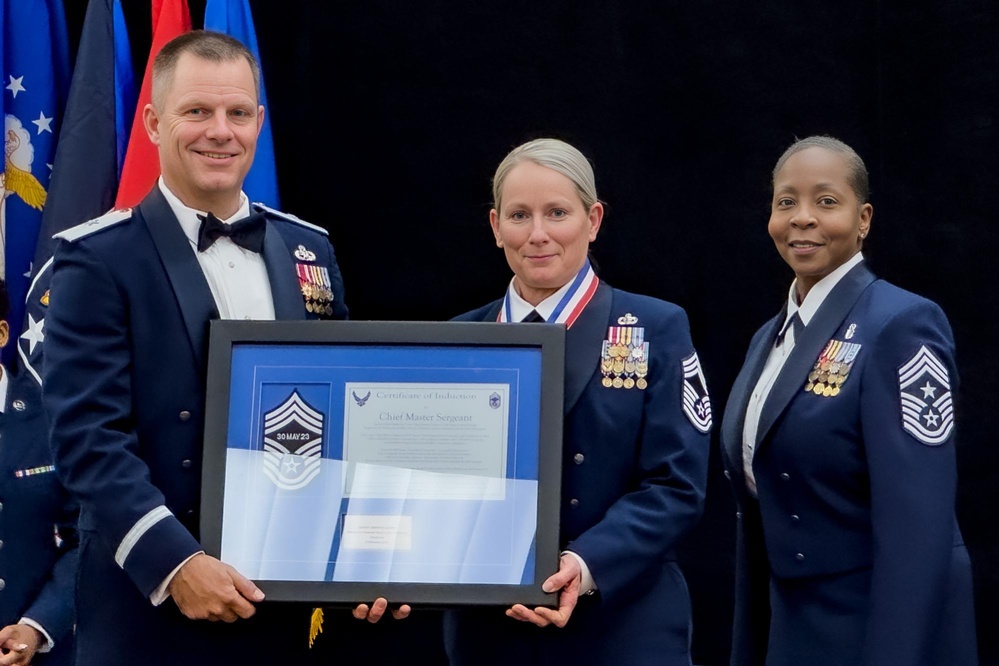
point(606, 381)
point(641, 383)
point(835, 391)
point(619, 367)
point(618, 382)
point(629, 383)
point(827, 391)
point(818, 388)
point(808, 387)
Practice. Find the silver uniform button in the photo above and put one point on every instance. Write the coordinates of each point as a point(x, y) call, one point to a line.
point(184, 415)
point(578, 458)
point(785, 476)
point(2, 584)
point(799, 556)
point(574, 502)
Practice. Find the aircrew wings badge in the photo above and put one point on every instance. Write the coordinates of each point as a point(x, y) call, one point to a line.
point(696, 403)
point(927, 406)
point(293, 443)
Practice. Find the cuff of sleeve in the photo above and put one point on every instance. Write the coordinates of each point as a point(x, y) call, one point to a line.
point(162, 593)
point(586, 583)
point(49, 643)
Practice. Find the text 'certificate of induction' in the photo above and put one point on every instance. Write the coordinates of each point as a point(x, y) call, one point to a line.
point(415, 461)
point(429, 441)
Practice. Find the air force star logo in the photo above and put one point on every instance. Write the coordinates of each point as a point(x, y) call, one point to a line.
point(927, 407)
point(696, 403)
point(293, 443)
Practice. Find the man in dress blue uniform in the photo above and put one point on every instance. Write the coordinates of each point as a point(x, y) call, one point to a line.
point(37, 529)
point(132, 293)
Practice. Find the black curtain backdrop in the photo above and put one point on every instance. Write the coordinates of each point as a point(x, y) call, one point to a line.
point(390, 117)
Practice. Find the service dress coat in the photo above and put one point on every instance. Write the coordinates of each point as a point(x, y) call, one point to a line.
point(634, 467)
point(851, 555)
point(126, 346)
point(37, 526)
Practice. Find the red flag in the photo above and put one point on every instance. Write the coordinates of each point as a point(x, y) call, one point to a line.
point(142, 163)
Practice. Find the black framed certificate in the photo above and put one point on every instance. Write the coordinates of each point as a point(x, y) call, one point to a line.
point(420, 462)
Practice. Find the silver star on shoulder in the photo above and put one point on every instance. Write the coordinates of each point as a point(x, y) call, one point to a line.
point(34, 335)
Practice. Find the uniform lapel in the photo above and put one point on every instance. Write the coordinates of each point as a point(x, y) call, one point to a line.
point(738, 398)
point(823, 326)
point(582, 344)
point(285, 290)
point(194, 297)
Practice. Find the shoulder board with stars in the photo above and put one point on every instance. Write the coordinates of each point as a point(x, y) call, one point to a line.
point(90, 227)
point(291, 218)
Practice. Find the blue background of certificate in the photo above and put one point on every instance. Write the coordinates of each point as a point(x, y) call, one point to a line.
point(263, 376)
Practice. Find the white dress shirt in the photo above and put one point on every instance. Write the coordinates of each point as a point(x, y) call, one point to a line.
point(236, 276)
point(778, 356)
point(519, 308)
point(238, 281)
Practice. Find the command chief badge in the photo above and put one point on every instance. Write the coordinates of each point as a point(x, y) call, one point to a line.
point(293, 443)
point(696, 402)
point(927, 406)
point(832, 368)
point(624, 356)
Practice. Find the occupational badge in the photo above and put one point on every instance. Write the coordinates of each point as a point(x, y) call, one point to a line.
point(314, 281)
point(696, 402)
point(304, 254)
point(832, 368)
point(293, 443)
point(624, 356)
point(927, 406)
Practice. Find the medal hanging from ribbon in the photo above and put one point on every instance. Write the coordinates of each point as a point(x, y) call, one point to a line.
point(624, 358)
point(832, 368)
point(316, 287)
point(572, 303)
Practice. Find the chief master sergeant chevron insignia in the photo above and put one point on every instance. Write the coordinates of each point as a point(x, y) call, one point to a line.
point(293, 443)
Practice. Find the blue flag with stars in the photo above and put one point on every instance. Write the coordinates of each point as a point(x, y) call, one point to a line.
point(233, 18)
point(34, 64)
point(89, 158)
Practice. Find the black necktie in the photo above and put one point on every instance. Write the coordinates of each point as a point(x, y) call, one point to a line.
point(533, 318)
point(794, 323)
point(247, 233)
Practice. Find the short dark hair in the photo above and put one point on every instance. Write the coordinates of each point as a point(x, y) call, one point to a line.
point(4, 301)
point(208, 45)
point(857, 176)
